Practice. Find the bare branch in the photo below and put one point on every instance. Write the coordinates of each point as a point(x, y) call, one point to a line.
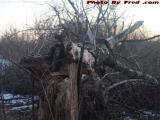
point(123, 82)
point(147, 39)
point(132, 74)
point(113, 40)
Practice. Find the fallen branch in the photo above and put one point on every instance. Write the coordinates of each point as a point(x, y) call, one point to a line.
point(113, 40)
point(130, 73)
point(122, 82)
point(140, 40)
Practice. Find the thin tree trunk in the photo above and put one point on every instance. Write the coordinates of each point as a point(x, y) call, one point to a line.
point(33, 109)
point(73, 91)
point(3, 109)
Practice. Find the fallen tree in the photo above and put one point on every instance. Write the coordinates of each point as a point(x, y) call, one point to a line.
point(72, 74)
point(61, 96)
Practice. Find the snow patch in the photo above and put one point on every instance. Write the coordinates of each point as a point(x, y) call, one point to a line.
point(7, 96)
point(18, 102)
point(128, 118)
point(4, 61)
point(25, 108)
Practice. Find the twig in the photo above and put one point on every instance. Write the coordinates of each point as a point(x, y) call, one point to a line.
point(123, 82)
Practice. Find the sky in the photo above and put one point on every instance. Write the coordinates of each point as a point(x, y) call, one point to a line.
point(150, 14)
point(22, 13)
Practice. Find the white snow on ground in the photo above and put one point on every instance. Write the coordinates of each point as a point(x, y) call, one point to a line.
point(7, 96)
point(128, 118)
point(145, 115)
point(4, 61)
point(18, 102)
point(18, 96)
point(25, 108)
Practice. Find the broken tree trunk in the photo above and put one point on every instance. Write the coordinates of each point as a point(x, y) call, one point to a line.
point(73, 91)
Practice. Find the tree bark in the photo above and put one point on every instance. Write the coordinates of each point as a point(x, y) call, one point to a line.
point(73, 91)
